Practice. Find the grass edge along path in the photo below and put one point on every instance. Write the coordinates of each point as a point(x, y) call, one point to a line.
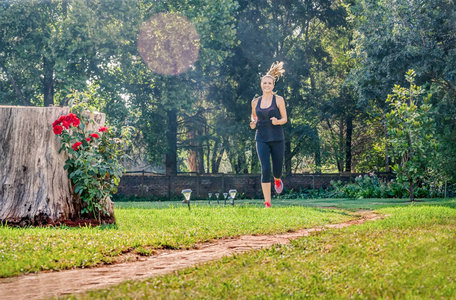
point(72, 281)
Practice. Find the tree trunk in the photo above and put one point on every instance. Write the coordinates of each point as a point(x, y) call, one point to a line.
point(340, 151)
point(317, 153)
point(171, 136)
point(48, 81)
point(412, 190)
point(192, 158)
point(348, 144)
point(288, 157)
point(214, 157)
point(200, 158)
point(387, 159)
point(34, 187)
point(196, 157)
point(14, 84)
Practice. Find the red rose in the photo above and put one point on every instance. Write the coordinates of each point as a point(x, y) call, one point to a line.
point(56, 122)
point(76, 145)
point(95, 135)
point(88, 139)
point(67, 120)
point(66, 124)
point(75, 121)
point(57, 129)
point(103, 129)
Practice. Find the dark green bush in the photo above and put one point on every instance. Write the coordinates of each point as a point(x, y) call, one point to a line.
point(369, 186)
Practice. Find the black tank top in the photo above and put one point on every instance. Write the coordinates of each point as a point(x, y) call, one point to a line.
point(266, 132)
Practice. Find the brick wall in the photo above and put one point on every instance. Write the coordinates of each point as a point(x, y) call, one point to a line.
point(144, 184)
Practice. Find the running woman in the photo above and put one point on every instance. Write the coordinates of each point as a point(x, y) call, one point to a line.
point(268, 116)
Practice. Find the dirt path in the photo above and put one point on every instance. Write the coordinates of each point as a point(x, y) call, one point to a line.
point(49, 284)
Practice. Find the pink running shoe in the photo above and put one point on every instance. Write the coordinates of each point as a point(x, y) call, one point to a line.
point(267, 204)
point(278, 185)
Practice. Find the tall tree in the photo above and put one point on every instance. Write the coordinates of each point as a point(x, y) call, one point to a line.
point(174, 99)
point(395, 36)
point(412, 134)
point(48, 48)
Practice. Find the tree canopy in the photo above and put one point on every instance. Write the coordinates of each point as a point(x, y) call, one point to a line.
point(186, 85)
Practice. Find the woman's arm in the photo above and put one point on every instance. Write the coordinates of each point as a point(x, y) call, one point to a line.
point(253, 117)
point(283, 112)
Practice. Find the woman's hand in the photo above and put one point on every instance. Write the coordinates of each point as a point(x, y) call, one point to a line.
point(275, 121)
point(253, 122)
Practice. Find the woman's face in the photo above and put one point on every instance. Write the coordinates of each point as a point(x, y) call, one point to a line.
point(267, 84)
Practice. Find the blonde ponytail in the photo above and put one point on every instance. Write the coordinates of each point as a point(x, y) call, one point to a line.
point(275, 71)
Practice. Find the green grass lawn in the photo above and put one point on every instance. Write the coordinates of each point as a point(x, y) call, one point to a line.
point(347, 204)
point(409, 255)
point(25, 250)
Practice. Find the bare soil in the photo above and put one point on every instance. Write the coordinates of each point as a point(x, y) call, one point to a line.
point(131, 266)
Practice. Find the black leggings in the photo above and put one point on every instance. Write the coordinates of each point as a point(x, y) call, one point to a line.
point(276, 150)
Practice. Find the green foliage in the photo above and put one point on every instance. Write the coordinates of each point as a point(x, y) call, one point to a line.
point(94, 158)
point(392, 37)
point(368, 186)
point(163, 108)
point(48, 48)
point(411, 134)
point(60, 45)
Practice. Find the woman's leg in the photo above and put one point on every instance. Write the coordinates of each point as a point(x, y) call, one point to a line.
point(277, 154)
point(264, 154)
point(266, 187)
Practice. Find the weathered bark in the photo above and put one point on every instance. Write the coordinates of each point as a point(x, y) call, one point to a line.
point(34, 187)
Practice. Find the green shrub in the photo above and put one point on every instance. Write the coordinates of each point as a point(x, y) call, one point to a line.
point(94, 156)
point(370, 186)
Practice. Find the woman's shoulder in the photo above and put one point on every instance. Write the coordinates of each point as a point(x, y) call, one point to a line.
point(255, 100)
point(279, 98)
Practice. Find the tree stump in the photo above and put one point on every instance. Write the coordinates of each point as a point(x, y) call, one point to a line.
point(34, 187)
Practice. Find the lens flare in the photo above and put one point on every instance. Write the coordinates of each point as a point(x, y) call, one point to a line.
point(168, 44)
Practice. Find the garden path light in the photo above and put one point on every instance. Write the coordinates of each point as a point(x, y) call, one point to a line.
point(187, 193)
point(233, 195)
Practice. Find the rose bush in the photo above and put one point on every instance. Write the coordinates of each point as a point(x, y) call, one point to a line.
point(94, 157)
